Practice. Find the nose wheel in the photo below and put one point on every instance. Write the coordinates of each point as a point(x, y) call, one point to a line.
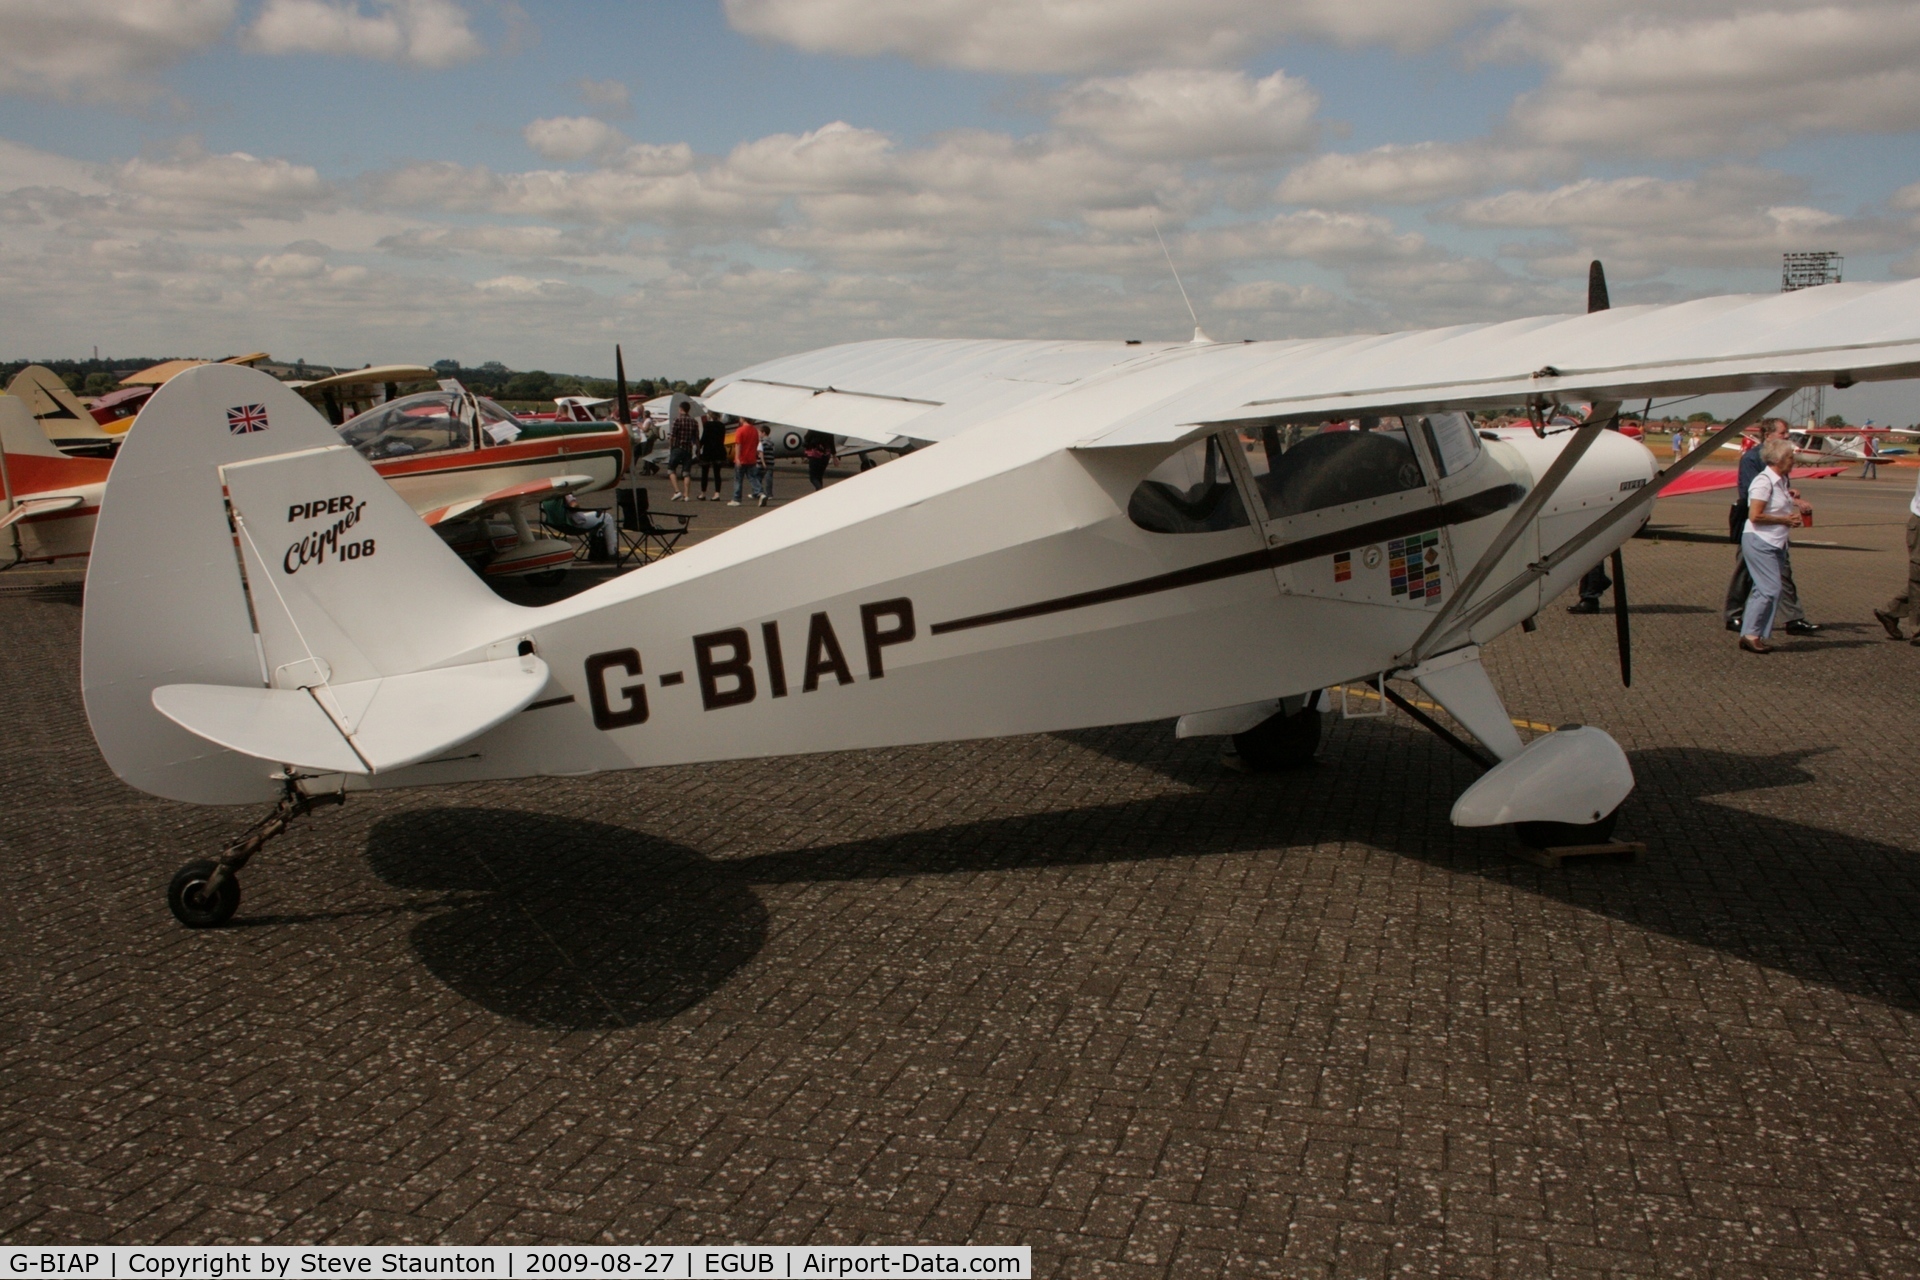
point(205, 894)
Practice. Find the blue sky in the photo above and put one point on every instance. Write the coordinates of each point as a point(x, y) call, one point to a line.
point(713, 184)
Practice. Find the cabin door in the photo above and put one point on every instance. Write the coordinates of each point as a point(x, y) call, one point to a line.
point(1350, 511)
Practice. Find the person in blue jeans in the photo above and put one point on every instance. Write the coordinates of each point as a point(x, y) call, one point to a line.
point(1772, 511)
point(746, 462)
point(1740, 585)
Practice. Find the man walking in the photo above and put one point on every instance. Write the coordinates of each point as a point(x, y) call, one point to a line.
point(682, 438)
point(746, 459)
point(1740, 586)
point(1907, 603)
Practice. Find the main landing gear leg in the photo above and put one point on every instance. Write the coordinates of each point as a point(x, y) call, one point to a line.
point(205, 894)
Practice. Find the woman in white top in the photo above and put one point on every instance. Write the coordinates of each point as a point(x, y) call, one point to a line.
point(1771, 511)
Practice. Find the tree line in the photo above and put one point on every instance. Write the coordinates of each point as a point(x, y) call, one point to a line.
point(98, 377)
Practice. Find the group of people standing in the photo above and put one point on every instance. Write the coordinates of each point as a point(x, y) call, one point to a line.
point(1762, 591)
point(703, 441)
point(1762, 595)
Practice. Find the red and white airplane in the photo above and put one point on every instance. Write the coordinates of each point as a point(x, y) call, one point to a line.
point(470, 469)
point(48, 501)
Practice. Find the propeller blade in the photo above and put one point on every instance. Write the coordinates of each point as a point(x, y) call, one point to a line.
point(1596, 288)
point(1623, 633)
point(623, 407)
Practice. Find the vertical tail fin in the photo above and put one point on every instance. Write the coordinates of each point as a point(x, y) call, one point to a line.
point(240, 544)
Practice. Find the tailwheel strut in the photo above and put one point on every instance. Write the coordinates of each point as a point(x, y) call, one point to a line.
point(205, 894)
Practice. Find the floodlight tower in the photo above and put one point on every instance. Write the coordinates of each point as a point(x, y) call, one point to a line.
point(1804, 271)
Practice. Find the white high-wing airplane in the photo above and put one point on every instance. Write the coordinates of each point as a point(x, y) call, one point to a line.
point(1104, 533)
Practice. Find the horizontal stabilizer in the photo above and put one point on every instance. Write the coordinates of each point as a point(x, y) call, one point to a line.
point(283, 725)
point(40, 507)
point(368, 726)
point(526, 491)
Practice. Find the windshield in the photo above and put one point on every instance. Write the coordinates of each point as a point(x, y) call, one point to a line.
point(429, 422)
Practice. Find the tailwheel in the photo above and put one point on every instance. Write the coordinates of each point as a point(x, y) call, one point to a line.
point(1280, 741)
point(200, 903)
point(205, 894)
point(1557, 835)
point(545, 578)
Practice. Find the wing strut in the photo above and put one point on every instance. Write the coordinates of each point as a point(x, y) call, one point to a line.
point(1516, 525)
point(1633, 506)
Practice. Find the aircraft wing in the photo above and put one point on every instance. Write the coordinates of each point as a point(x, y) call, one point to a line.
point(924, 390)
point(1707, 480)
point(934, 389)
point(501, 499)
point(1835, 334)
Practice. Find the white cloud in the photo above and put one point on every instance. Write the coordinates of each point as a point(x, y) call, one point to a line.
point(608, 97)
point(1702, 83)
point(1315, 235)
point(833, 159)
point(291, 266)
point(102, 50)
point(600, 197)
point(509, 241)
point(196, 188)
point(1729, 216)
point(426, 33)
point(527, 287)
point(1907, 197)
point(1416, 173)
point(567, 138)
point(1081, 35)
point(23, 166)
point(1175, 114)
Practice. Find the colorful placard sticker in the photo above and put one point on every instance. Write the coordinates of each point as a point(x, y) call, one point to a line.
point(1343, 566)
point(1413, 566)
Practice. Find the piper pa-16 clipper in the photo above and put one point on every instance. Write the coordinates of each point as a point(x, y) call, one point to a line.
point(1102, 533)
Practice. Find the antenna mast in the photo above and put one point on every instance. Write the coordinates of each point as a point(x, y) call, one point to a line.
point(1199, 334)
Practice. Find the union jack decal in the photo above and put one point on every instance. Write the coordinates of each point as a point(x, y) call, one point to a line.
point(245, 419)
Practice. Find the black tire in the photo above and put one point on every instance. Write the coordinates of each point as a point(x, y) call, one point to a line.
point(1553, 835)
point(545, 578)
point(1280, 742)
point(192, 907)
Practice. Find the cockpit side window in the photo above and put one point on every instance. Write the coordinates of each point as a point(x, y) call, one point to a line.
point(1306, 467)
point(1191, 492)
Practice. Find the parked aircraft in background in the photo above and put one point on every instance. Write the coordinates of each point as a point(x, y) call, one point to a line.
point(465, 465)
point(48, 501)
point(341, 396)
point(1847, 444)
point(574, 409)
point(71, 426)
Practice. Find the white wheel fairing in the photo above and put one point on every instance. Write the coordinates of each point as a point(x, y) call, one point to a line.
point(1576, 776)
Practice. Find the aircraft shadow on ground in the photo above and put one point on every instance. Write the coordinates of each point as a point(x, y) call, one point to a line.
point(1819, 904)
point(564, 923)
point(609, 927)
